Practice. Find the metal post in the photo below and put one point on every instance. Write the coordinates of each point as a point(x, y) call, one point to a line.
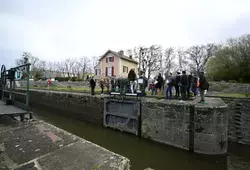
point(14, 87)
point(27, 88)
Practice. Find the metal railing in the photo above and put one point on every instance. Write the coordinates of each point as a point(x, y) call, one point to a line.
point(8, 85)
point(125, 87)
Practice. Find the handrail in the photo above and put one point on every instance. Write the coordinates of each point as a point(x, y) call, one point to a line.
point(24, 65)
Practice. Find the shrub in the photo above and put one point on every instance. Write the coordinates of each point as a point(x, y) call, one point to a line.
point(80, 79)
point(73, 79)
point(232, 81)
point(62, 78)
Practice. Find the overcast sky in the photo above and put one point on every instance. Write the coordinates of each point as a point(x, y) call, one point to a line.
point(57, 29)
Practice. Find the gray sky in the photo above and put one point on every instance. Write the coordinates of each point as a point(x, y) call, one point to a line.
point(57, 29)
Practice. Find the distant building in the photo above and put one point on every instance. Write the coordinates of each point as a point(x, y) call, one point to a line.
point(115, 64)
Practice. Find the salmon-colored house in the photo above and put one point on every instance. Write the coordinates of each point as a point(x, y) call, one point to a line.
point(115, 64)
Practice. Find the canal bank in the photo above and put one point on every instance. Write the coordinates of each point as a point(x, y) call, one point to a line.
point(38, 145)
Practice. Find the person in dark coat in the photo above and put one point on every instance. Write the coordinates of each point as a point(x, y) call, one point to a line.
point(159, 84)
point(177, 84)
point(102, 85)
point(113, 82)
point(145, 83)
point(203, 86)
point(183, 85)
point(131, 78)
point(190, 76)
point(194, 85)
point(92, 85)
point(170, 83)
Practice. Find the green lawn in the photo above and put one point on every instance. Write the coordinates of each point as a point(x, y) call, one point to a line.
point(72, 89)
point(235, 95)
point(98, 90)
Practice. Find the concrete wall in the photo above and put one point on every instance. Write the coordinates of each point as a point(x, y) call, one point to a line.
point(238, 120)
point(201, 128)
point(75, 105)
point(211, 127)
point(165, 122)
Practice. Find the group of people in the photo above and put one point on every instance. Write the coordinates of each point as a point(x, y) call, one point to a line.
point(116, 84)
point(184, 84)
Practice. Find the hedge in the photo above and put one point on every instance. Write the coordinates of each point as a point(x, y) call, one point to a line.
point(68, 78)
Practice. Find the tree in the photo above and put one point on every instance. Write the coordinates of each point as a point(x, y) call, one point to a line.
point(83, 64)
point(182, 59)
point(36, 65)
point(50, 67)
point(153, 60)
point(231, 60)
point(148, 59)
point(198, 56)
point(129, 52)
point(94, 62)
point(139, 52)
point(169, 55)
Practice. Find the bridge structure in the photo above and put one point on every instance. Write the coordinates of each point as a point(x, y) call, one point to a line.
point(9, 106)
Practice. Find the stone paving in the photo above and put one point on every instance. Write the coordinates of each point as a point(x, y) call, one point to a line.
point(40, 146)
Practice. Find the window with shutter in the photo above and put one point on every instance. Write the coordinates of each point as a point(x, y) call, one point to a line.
point(107, 59)
point(112, 70)
point(106, 71)
point(125, 69)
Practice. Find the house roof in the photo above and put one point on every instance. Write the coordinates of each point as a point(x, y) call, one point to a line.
point(118, 55)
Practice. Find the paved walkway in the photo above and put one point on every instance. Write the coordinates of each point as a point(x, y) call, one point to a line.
point(40, 146)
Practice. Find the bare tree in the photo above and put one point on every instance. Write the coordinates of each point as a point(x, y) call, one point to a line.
point(50, 67)
point(83, 64)
point(199, 55)
point(36, 65)
point(139, 53)
point(67, 66)
point(129, 52)
point(94, 62)
point(182, 59)
point(148, 59)
point(169, 55)
point(60, 67)
point(153, 59)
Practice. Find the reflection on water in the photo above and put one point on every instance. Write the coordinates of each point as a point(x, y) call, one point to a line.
point(142, 153)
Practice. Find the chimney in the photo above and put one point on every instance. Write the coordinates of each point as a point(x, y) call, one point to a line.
point(130, 56)
point(121, 52)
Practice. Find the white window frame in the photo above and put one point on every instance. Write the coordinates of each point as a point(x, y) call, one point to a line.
point(109, 71)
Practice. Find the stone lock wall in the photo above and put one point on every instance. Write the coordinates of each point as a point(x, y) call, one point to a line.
point(210, 129)
point(165, 123)
point(190, 126)
point(74, 105)
point(238, 120)
point(199, 128)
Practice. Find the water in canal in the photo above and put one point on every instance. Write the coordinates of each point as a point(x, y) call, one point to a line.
point(144, 153)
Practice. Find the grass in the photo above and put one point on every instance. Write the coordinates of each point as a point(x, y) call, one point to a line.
point(69, 89)
point(98, 90)
point(234, 95)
